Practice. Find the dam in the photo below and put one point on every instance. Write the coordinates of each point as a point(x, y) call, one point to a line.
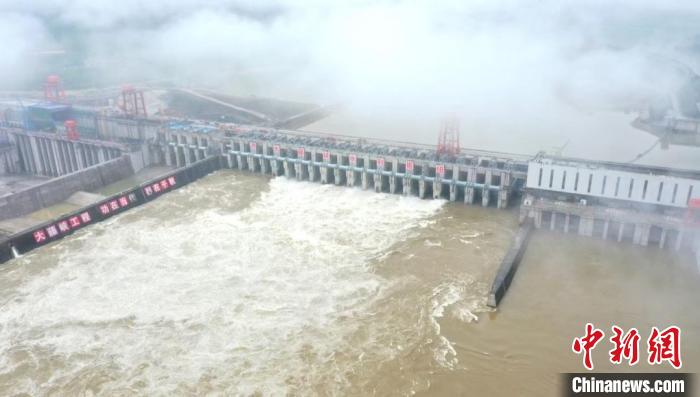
point(613, 201)
point(397, 285)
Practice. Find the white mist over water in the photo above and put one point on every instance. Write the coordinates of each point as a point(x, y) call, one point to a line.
point(259, 300)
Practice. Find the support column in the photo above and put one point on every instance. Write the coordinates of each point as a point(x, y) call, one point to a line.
point(392, 177)
point(552, 220)
point(27, 156)
point(180, 157)
point(606, 226)
point(453, 184)
point(312, 169)
point(567, 218)
point(350, 177)
point(86, 153)
point(365, 179)
point(644, 235)
point(101, 155)
point(538, 218)
point(51, 161)
point(56, 147)
point(638, 231)
point(274, 164)
point(421, 188)
point(679, 240)
point(251, 163)
point(239, 160)
point(66, 155)
point(406, 184)
point(437, 188)
point(298, 170)
point(377, 182)
point(469, 189)
point(263, 164)
point(168, 159)
point(285, 165)
point(324, 173)
point(585, 226)
point(41, 167)
point(65, 167)
point(53, 158)
point(621, 232)
point(60, 160)
point(662, 239)
point(73, 155)
point(22, 154)
point(197, 155)
point(504, 191)
point(485, 196)
point(94, 155)
point(336, 176)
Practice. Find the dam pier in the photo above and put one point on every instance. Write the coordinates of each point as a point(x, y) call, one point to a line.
point(627, 203)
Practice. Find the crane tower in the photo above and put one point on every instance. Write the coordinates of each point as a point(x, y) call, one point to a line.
point(448, 139)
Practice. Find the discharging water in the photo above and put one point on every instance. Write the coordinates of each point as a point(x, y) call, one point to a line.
point(243, 285)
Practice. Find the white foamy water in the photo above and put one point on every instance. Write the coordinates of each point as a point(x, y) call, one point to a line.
point(238, 302)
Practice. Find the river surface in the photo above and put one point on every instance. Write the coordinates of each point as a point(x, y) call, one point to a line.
point(560, 129)
point(244, 285)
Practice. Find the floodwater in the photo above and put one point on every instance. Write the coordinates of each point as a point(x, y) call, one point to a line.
point(560, 129)
point(243, 285)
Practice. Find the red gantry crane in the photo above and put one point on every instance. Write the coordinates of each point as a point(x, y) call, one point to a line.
point(448, 139)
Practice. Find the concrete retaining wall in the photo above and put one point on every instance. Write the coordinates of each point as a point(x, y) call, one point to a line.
point(67, 224)
point(509, 264)
point(59, 189)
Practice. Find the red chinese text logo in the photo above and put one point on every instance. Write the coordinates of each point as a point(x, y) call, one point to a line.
point(587, 343)
point(626, 346)
point(662, 346)
point(665, 346)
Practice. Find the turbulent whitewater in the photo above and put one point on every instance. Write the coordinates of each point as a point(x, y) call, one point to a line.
point(221, 286)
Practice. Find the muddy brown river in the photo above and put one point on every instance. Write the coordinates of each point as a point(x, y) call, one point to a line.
point(243, 285)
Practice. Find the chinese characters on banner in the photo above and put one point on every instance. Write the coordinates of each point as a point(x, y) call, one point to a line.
point(61, 227)
point(352, 159)
point(409, 165)
point(326, 155)
point(662, 346)
point(159, 187)
point(106, 208)
point(116, 204)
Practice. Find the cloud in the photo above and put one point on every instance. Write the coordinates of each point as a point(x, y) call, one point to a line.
point(24, 37)
point(482, 54)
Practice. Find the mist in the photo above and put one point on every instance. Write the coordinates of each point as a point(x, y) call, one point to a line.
point(490, 58)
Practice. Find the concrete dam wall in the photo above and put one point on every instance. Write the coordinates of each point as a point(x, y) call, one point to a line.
point(66, 224)
point(56, 190)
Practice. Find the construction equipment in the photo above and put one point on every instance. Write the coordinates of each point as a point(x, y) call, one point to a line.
point(448, 139)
